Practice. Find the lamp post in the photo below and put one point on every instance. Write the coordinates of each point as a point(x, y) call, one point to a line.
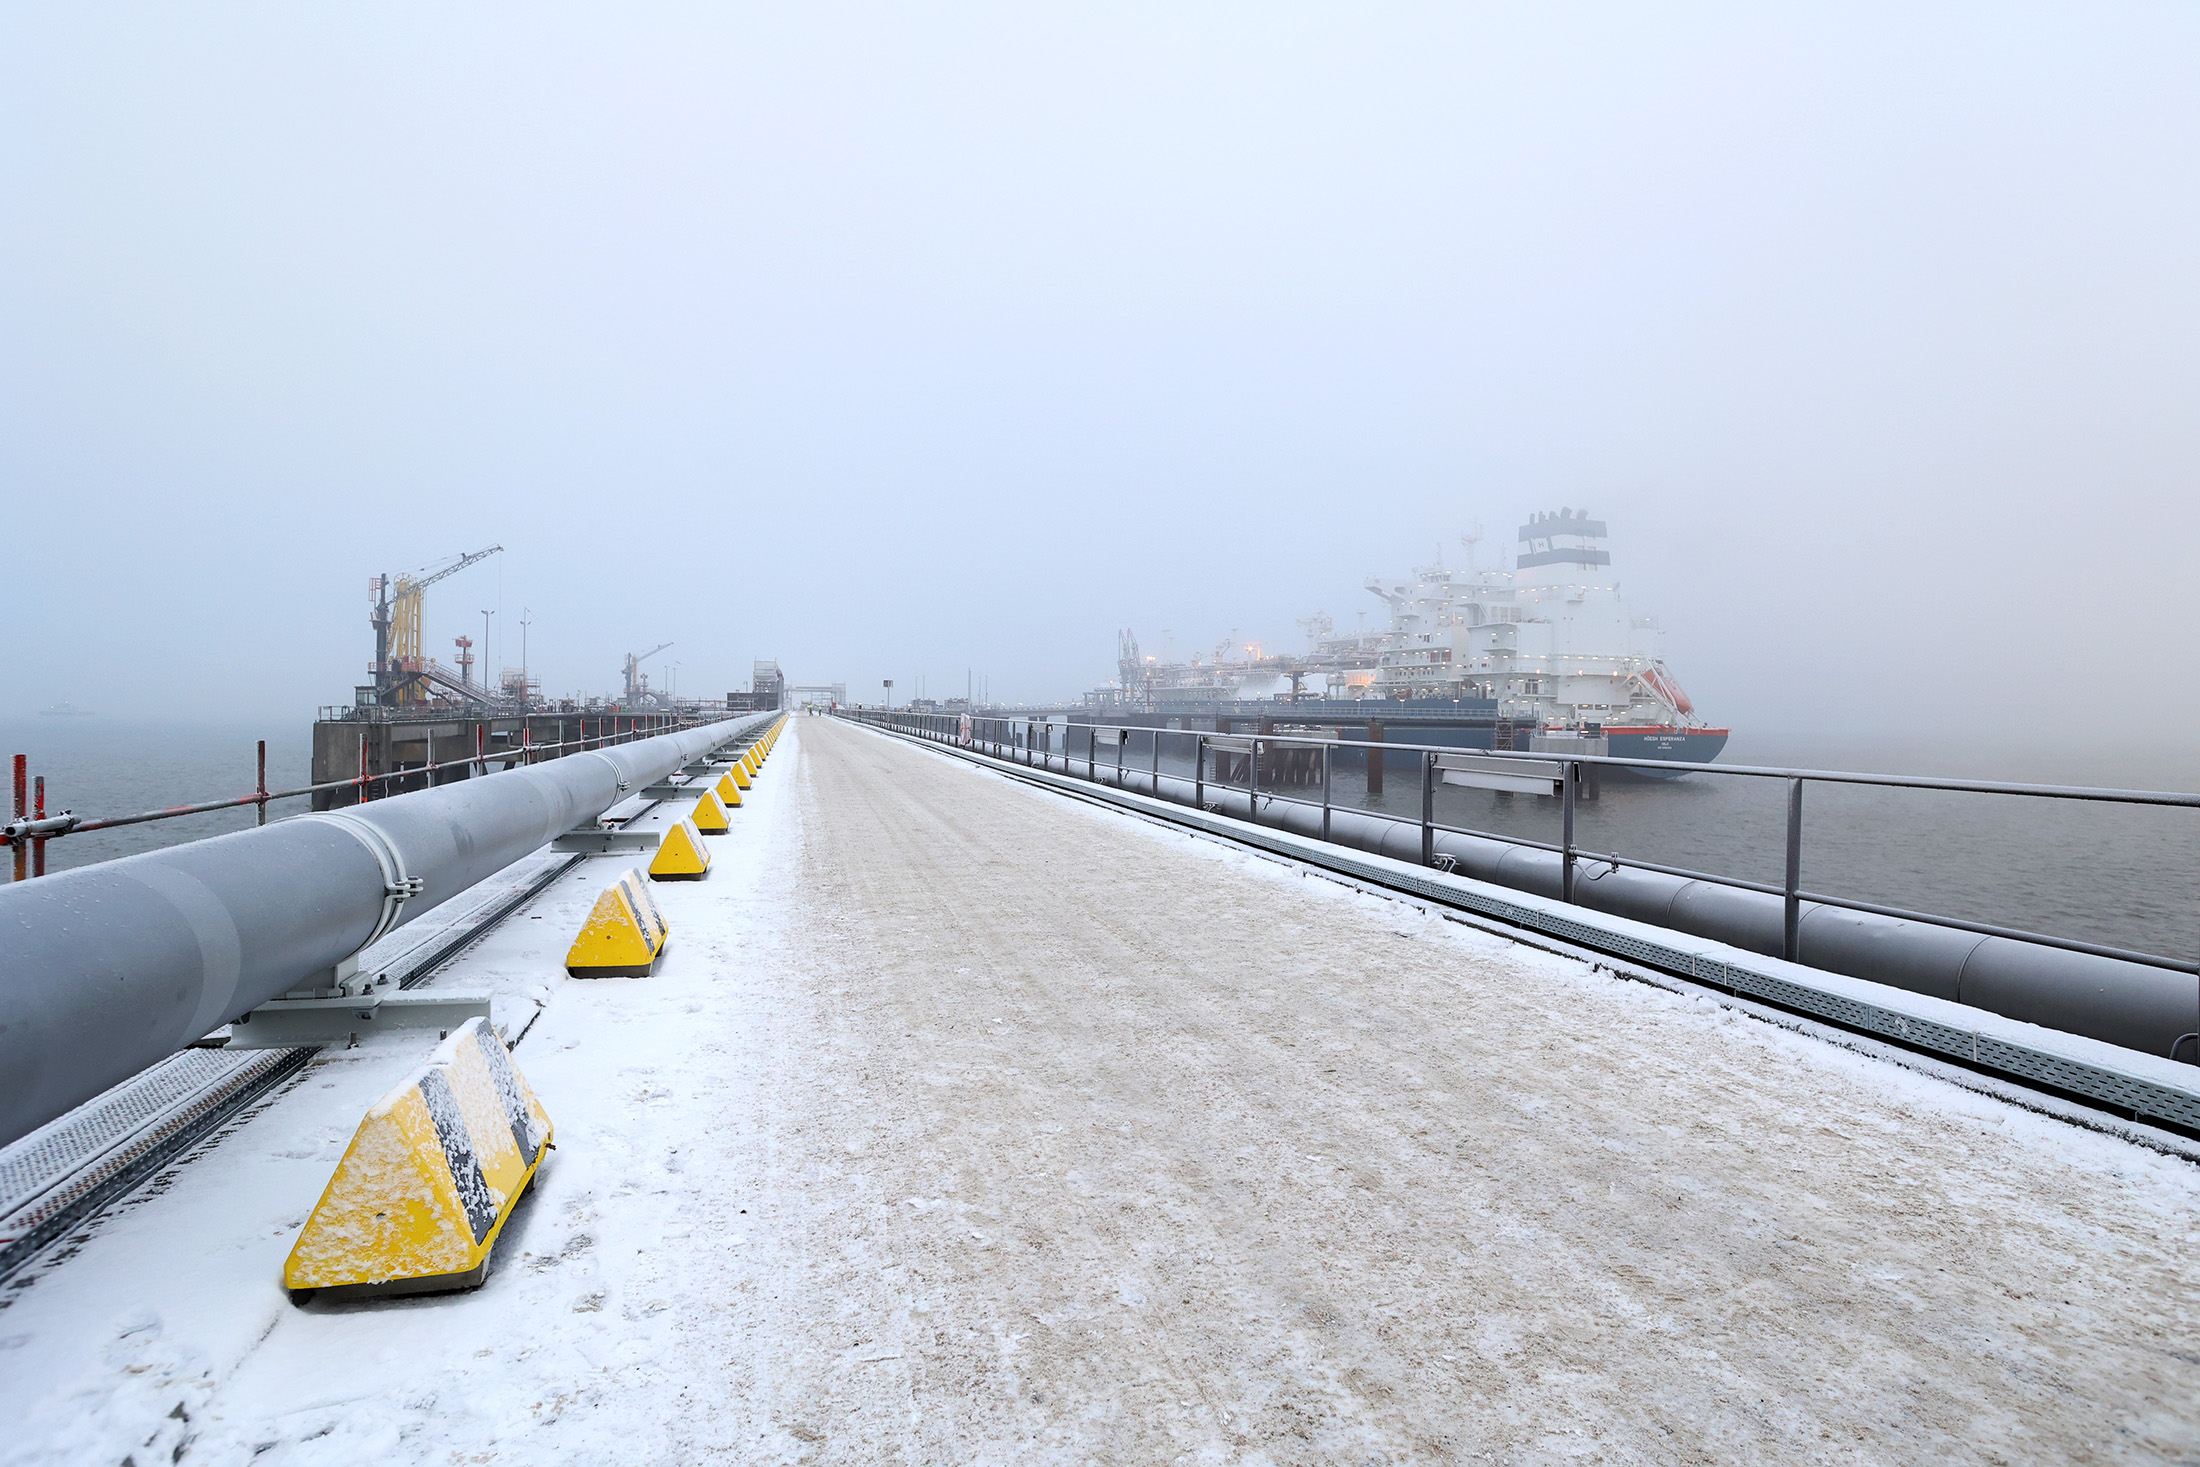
point(526, 620)
point(486, 685)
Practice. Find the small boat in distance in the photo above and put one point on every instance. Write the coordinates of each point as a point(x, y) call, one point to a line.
point(65, 709)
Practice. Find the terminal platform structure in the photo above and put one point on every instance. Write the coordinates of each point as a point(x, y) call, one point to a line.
point(962, 1121)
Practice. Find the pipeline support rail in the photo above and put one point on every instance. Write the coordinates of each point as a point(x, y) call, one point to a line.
point(108, 968)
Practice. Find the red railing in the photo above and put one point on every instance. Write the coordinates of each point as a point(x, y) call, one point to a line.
point(31, 828)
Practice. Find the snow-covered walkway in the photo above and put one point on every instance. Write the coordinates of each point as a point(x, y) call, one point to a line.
point(968, 1123)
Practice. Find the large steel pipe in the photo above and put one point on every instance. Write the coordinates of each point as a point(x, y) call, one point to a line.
point(109, 968)
point(2131, 1004)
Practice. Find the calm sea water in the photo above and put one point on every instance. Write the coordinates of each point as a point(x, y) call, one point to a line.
point(2111, 874)
point(99, 766)
point(2101, 873)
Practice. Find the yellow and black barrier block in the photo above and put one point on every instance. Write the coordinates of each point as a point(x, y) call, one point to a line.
point(623, 937)
point(429, 1179)
point(709, 816)
point(681, 855)
point(728, 793)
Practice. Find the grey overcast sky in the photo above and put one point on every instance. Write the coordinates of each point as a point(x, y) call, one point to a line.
point(893, 341)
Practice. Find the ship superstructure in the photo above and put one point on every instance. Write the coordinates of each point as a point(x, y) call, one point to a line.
point(1551, 641)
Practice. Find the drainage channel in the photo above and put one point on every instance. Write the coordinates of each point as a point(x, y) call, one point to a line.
point(2117, 1092)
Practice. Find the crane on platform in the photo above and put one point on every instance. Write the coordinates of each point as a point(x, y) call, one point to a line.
point(400, 661)
point(637, 681)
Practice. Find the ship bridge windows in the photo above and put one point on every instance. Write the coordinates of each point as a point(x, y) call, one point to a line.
point(1562, 556)
point(1566, 538)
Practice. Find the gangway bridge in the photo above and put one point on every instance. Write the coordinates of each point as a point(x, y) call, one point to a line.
point(1007, 1088)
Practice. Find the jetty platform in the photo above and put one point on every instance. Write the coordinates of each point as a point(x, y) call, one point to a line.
point(964, 1121)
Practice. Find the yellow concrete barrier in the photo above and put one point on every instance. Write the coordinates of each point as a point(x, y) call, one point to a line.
point(728, 793)
point(740, 772)
point(681, 855)
point(623, 937)
point(710, 816)
point(431, 1174)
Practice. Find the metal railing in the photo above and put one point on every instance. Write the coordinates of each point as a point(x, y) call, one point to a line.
point(1032, 741)
point(537, 707)
point(32, 827)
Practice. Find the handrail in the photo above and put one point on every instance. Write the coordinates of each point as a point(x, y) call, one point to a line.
point(2182, 798)
point(1571, 854)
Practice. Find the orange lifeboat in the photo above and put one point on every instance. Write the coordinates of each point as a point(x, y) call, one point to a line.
point(1666, 688)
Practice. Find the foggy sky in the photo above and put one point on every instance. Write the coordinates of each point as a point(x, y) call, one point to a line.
point(894, 341)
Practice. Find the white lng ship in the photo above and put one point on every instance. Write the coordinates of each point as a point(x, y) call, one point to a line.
point(1547, 648)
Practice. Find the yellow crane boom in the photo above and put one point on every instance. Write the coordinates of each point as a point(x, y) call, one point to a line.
point(399, 654)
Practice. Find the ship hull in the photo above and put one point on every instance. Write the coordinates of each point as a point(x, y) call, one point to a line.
point(1680, 746)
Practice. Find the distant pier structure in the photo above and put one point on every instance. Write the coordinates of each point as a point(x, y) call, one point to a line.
point(767, 689)
point(448, 736)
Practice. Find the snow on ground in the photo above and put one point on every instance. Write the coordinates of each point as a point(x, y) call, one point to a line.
point(967, 1123)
